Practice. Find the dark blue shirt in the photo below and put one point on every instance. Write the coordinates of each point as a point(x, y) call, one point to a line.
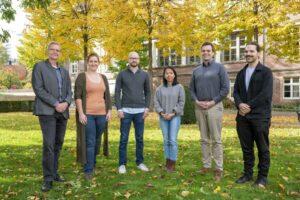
point(59, 80)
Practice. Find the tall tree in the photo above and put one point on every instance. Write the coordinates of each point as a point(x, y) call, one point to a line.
point(136, 25)
point(76, 25)
point(7, 13)
point(273, 19)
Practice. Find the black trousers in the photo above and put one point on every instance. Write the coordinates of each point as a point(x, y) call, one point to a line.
point(53, 129)
point(250, 131)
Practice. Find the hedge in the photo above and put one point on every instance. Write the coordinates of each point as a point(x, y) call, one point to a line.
point(189, 108)
point(16, 106)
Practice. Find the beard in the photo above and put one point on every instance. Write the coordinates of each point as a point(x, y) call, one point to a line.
point(133, 64)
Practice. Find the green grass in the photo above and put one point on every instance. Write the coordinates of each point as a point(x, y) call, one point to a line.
point(21, 170)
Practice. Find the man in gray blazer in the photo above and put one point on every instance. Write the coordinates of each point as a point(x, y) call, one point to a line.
point(52, 87)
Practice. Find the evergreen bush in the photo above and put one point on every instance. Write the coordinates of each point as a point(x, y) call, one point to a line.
point(189, 108)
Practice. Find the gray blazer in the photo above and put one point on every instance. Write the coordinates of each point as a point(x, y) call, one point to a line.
point(45, 87)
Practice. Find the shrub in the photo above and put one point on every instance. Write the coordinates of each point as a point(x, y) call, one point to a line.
point(228, 104)
point(10, 80)
point(189, 108)
point(287, 107)
point(16, 106)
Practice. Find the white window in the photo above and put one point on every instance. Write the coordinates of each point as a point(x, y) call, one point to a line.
point(74, 67)
point(291, 88)
point(235, 48)
point(168, 57)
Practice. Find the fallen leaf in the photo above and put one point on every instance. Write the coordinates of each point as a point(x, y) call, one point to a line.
point(281, 186)
point(218, 189)
point(11, 193)
point(286, 151)
point(149, 185)
point(289, 169)
point(202, 191)
point(120, 184)
point(224, 194)
point(133, 173)
point(127, 195)
point(185, 193)
point(68, 193)
point(285, 178)
point(296, 194)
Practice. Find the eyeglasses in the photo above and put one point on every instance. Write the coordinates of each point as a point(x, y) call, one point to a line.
point(134, 58)
point(56, 50)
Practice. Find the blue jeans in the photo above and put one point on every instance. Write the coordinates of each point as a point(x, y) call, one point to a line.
point(138, 122)
point(170, 132)
point(93, 131)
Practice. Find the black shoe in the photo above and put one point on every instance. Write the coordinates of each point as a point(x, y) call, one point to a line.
point(244, 179)
point(260, 182)
point(47, 185)
point(59, 178)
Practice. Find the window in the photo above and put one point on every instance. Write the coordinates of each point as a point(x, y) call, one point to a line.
point(168, 58)
point(193, 57)
point(291, 88)
point(74, 67)
point(235, 49)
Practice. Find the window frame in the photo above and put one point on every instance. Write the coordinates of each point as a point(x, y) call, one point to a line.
point(291, 84)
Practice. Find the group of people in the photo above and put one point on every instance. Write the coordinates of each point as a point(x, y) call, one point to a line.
point(209, 85)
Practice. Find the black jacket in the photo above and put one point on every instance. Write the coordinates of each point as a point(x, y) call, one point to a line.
point(259, 94)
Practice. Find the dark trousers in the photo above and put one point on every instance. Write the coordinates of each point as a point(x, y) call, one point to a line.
point(250, 131)
point(138, 122)
point(53, 129)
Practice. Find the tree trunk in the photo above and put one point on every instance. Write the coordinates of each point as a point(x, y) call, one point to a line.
point(85, 50)
point(255, 28)
point(150, 72)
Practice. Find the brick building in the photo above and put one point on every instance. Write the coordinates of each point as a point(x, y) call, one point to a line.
point(286, 75)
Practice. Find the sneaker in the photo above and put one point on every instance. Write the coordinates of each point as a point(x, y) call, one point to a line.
point(122, 169)
point(143, 167)
point(59, 178)
point(47, 185)
point(261, 182)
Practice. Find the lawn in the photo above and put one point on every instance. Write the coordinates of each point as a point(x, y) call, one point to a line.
point(21, 171)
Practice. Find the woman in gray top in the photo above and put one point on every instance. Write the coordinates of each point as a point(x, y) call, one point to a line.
point(169, 103)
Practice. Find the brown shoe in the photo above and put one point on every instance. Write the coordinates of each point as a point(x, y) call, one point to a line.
point(167, 164)
point(218, 175)
point(171, 166)
point(204, 170)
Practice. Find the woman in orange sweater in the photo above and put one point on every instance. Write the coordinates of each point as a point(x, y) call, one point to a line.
point(93, 109)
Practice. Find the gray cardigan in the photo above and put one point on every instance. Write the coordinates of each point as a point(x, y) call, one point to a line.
point(169, 99)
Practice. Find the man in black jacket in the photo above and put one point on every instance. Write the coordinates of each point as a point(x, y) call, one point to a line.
point(253, 91)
